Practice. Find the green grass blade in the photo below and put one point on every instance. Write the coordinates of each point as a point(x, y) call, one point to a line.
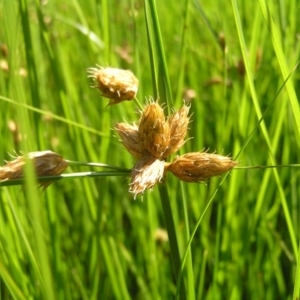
point(164, 86)
point(190, 272)
point(281, 59)
point(164, 91)
point(296, 292)
point(14, 289)
point(263, 126)
point(175, 255)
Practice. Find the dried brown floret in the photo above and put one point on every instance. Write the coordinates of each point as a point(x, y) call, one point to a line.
point(200, 166)
point(178, 123)
point(115, 84)
point(46, 163)
point(145, 174)
point(154, 130)
point(130, 137)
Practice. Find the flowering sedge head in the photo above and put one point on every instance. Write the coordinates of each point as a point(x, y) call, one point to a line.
point(157, 137)
point(46, 163)
point(200, 166)
point(116, 84)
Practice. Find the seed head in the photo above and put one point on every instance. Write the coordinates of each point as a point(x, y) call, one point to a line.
point(130, 137)
point(145, 174)
point(200, 166)
point(46, 163)
point(178, 123)
point(154, 130)
point(115, 84)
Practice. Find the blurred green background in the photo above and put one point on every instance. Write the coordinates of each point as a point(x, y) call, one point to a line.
point(88, 238)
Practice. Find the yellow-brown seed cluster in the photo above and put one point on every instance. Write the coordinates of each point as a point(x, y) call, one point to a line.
point(156, 137)
point(151, 141)
point(199, 166)
point(116, 84)
point(46, 163)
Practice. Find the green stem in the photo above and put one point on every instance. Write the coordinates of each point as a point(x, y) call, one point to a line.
point(95, 164)
point(20, 181)
point(266, 167)
point(175, 255)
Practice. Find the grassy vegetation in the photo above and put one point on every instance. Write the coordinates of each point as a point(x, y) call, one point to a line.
point(235, 237)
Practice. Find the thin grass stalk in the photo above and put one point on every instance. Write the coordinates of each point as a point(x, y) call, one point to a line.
point(104, 17)
point(151, 50)
point(263, 115)
point(51, 115)
point(95, 164)
point(95, 274)
point(33, 77)
point(66, 176)
point(175, 255)
point(119, 271)
point(39, 249)
point(217, 250)
point(183, 50)
point(296, 291)
point(10, 283)
point(282, 63)
point(62, 286)
point(164, 86)
point(105, 249)
point(80, 286)
point(156, 273)
point(20, 232)
point(202, 276)
point(281, 285)
point(263, 126)
point(184, 257)
point(190, 271)
point(24, 239)
point(35, 209)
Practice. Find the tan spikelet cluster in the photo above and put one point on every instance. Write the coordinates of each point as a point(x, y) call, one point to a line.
point(199, 166)
point(154, 138)
point(178, 123)
point(154, 130)
point(46, 163)
point(116, 84)
point(130, 138)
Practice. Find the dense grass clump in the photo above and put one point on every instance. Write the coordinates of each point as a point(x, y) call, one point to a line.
point(85, 237)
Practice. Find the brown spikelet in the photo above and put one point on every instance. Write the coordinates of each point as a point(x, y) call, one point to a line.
point(200, 166)
point(115, 84)
point(12, 169)
point(154, 130)
point(46, 163)
point(178, 123)
point(130, 137)
point(145, 174)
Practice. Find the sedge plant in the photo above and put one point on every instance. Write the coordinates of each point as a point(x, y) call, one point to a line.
point(219, 81)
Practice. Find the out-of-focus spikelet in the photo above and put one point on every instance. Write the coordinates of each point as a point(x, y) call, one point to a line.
point(46, 163)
